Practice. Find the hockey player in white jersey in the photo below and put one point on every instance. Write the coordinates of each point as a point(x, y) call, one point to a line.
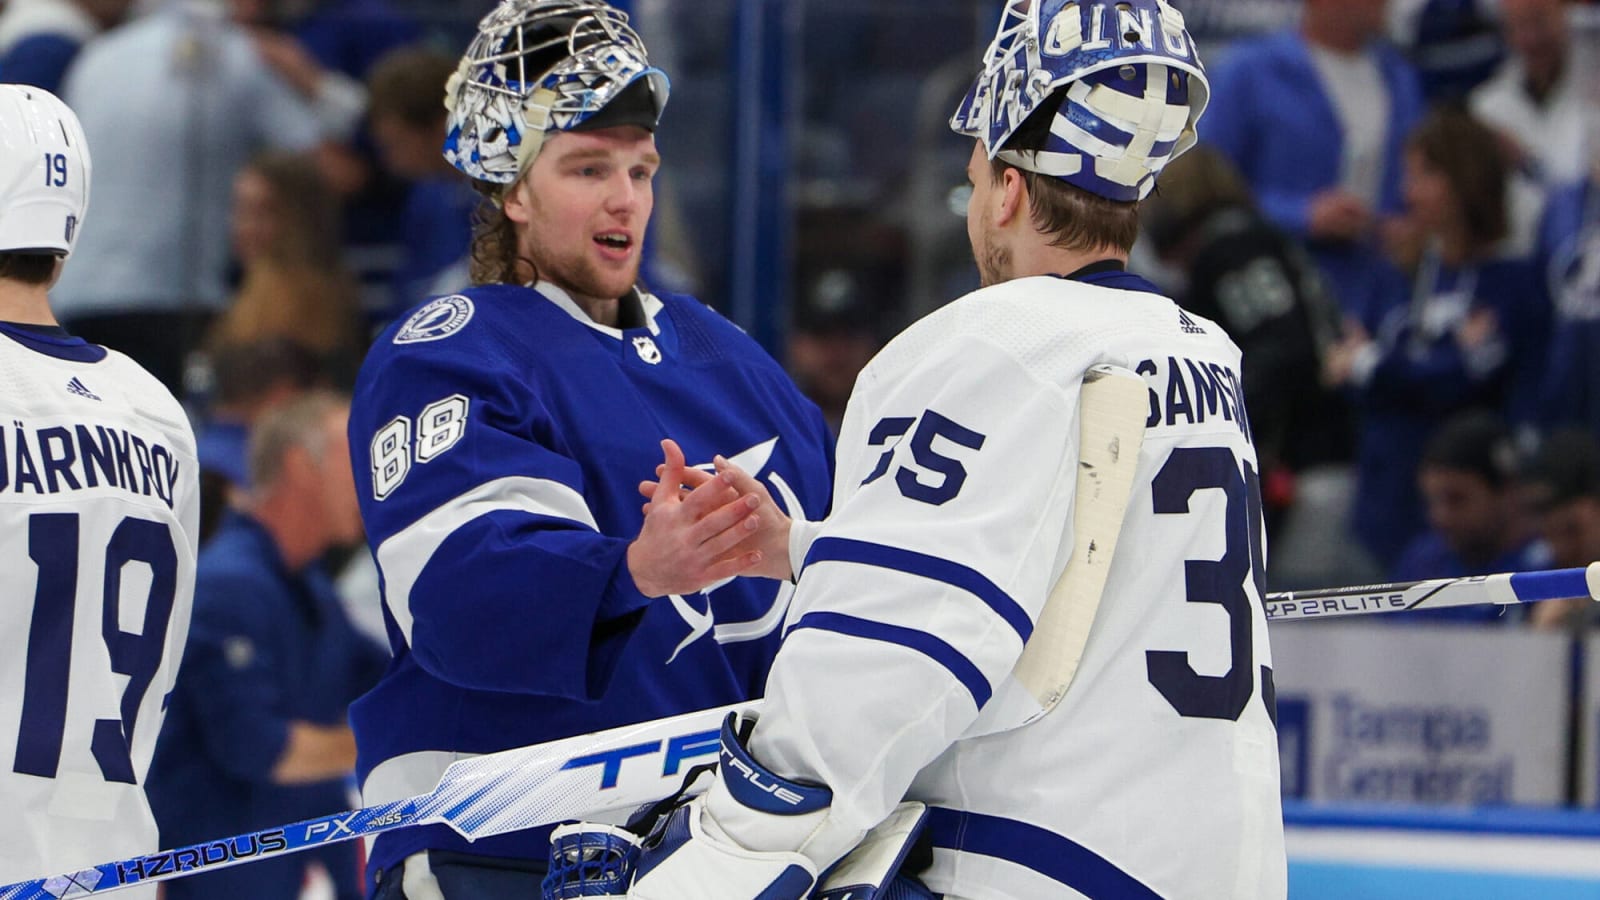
point(99, 513)
point(1154, 773)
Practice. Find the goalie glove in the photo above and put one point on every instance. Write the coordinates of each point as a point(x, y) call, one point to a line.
point(590, 860)
point(693, 854)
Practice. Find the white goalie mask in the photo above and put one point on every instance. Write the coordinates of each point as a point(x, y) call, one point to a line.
point(44, 172)
point(1132, 82)
point(539, 66)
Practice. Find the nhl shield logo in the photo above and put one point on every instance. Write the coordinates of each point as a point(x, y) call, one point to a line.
point(647, 349)
point(435, 320)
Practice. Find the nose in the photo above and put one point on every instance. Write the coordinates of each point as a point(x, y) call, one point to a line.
point(625, 193)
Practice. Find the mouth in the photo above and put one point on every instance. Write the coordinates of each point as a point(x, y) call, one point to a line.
point(614, 241)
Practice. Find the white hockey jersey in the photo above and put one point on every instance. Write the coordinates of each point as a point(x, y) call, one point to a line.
point(1157, 774)
point(99, 518)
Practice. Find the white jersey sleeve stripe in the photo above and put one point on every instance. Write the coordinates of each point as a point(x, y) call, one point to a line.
point(406, 553)
point(883, 556)
point(932, 647)
point(1045, 852)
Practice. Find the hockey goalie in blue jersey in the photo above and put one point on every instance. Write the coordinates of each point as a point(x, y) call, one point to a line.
point(500, 436)
point(1032, 623)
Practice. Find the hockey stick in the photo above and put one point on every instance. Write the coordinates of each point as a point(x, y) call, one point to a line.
point(1111, 414)
point(1435, 593)
point(480, 796)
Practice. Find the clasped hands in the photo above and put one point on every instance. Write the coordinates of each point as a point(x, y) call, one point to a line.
point(701, 528)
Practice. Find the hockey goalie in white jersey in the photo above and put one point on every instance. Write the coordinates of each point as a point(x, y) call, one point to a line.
point(1150, 771)
point(99, 512)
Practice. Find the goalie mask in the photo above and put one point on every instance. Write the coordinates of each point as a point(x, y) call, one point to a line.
point(1130, 83)
point(44, 172)
point(539, 66)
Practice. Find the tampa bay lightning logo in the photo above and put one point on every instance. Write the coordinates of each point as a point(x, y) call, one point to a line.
point(437, 319)
point(701, 623)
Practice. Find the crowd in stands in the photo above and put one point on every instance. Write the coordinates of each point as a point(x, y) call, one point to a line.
point(1393, 211)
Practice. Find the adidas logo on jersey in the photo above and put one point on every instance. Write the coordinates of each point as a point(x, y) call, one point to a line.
point(1189, 325)
point(77, 387)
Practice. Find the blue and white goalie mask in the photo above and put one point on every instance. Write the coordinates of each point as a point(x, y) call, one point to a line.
point(1134, 89)
point(540, 66)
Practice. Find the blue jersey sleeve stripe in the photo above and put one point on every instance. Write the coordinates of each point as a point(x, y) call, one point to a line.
point(943, 570)
point(406, 553)
point(1052, 855)
point(928, 645)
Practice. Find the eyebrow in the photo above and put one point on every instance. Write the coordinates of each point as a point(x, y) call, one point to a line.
point(602, 153)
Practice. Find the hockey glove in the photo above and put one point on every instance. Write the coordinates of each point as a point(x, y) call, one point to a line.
point(691, 855)
point(590, 860)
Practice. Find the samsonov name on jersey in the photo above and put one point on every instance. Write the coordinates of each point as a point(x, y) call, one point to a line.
point(60, 457)
point(1195, 391)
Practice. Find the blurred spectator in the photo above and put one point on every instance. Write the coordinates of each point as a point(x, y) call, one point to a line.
point(847, 271)
point(1471, 333)
point(285, 228)
point(248, 380)
point(1315, 119)
point(833, 334)
point(1454, 44)
point(40, 38)
point(256, 735)
point(1562, 486)
point(1245, 274)
point(185, 99)
point(407, 122)
point(1476, 513)
point(1535, 100)
point(346, 38)
point(1569, 258)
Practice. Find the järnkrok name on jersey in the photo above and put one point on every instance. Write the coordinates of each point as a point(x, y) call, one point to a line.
point(77, 457)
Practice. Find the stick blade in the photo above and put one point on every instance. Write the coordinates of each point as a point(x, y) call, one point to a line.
point(600, 776)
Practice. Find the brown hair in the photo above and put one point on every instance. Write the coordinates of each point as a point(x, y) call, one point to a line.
point(309, 210)
point(1469, 156)
point(28, 268)
point(494, 256)
point(1190, 189)
point(408, 84)
point(1075, 219)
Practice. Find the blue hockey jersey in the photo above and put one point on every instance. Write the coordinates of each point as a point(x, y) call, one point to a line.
point(499, 437)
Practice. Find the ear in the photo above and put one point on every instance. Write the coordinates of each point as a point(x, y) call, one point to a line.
point(515, 202)
point(1012, 198)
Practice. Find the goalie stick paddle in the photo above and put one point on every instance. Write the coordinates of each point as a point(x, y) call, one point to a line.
point(1435, 593)
point(624, 768)
point(1111, 418)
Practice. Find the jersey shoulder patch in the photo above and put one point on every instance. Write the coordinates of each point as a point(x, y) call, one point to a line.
point(435, 320)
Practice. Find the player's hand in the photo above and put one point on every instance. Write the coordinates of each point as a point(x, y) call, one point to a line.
point(692, 539)
point(771, 536)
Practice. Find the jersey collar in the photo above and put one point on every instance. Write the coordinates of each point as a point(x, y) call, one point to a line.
point(649, 303)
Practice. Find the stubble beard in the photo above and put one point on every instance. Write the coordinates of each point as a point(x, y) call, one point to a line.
point(582, 277)
point(994, 265)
